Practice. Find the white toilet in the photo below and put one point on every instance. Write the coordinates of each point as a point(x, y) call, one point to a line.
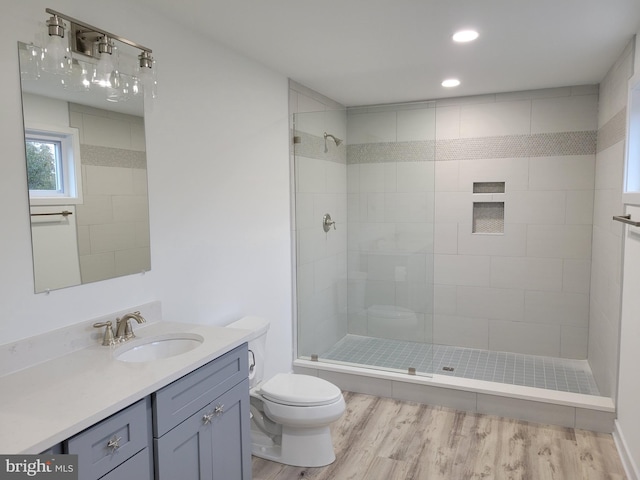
point(290, 413)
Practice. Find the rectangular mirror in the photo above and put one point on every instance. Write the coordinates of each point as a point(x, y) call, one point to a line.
point(87, 175)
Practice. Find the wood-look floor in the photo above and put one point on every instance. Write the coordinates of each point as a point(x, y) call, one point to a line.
point(385, 439)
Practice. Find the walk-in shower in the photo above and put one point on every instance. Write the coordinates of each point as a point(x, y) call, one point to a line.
point(462, 252)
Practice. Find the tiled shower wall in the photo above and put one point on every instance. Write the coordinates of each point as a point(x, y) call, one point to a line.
point(390, 160)
point(410, 242)
point(524, 290)
point(604, 323)
point(320, 187)
point(113, 221)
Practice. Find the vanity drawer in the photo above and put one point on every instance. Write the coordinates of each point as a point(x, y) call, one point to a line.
point(130, 427)
point(179, 400)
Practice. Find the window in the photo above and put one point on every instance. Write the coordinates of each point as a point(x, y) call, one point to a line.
point(53, 165)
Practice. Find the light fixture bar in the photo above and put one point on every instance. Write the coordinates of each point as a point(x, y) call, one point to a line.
point(98, 30)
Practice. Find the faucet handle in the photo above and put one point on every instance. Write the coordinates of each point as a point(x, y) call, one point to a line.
point(124, 329)
point(109, 338)
point(128, 330)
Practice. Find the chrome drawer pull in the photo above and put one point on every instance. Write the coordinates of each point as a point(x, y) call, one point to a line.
point(206, 418)
point(114, 443)
point(219, 409)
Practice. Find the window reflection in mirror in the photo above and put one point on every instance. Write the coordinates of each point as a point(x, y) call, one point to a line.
point(87, 174)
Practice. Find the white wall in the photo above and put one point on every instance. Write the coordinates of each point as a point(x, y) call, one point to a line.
point(628, 398)
point(218, 186)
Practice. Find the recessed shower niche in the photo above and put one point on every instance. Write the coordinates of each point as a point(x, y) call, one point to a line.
point(488, 216)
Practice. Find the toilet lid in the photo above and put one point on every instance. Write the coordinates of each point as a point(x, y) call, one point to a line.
point(299, 390)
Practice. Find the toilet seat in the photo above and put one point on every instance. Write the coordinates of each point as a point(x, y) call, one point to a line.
point(300, 390)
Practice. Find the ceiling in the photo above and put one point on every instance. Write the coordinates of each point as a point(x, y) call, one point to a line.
point(364, 52)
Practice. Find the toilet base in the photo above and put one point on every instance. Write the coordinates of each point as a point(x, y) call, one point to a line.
point(299, 447)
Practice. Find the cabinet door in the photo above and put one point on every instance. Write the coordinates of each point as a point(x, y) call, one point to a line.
point(184, 453)
point(231, 432)
point(213, 444)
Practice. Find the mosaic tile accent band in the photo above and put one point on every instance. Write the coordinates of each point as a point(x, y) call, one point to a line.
point(112, 157)
point(312, 146)
point(613, 131)
point(551, 373)
point(422, 151)
point(512, 146)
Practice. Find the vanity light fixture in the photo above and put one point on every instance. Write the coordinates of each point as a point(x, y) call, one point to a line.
point(450, 82)
point(463, 36)
point(56, 58)
point(61, 57)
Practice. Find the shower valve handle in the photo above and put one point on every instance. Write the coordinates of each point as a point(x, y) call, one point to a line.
point(327, 222)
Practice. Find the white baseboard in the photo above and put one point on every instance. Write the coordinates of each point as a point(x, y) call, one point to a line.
point(630, 467)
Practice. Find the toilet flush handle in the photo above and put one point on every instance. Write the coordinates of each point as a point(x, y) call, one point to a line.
point(252, 361)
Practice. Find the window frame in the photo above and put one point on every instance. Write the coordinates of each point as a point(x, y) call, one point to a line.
point(71, 164)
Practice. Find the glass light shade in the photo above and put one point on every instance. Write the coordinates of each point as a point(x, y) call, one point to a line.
point(56, 58)
point(149, 80)
point(80, 78)
point(103, 71)
point(30, 62)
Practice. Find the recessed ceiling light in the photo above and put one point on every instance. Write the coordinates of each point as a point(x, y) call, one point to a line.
point(465, 36)
point(451, 82)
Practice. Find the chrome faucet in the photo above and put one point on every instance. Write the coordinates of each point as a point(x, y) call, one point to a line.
point(124, 331)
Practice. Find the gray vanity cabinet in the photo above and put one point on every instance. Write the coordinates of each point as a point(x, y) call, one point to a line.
point(201, 423)
point(197, 426)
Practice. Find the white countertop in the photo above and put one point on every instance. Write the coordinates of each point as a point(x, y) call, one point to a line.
point(47, 403)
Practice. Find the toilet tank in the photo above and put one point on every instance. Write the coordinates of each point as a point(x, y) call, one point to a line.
point(257, 345)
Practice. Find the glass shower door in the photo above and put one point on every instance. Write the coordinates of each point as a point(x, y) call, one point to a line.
point(384, 288)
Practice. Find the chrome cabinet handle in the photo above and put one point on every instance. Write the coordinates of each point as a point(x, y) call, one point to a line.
point(114, 443)
point(219, 409)
point(207, 417)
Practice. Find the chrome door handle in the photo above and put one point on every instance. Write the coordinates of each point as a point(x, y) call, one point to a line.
point(207, 417)
point(219, 409)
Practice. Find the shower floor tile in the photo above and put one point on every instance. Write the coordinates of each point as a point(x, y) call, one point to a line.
point(552, 373)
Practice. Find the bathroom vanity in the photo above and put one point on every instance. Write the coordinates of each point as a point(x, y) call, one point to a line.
point(181, 417)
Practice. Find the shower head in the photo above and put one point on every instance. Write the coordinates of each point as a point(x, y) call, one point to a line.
point(335, 139)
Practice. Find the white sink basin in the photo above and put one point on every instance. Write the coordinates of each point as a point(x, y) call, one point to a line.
point(157, 347)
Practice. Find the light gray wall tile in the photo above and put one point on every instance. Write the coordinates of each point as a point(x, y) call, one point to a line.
point(461, 331)
point(574, 342)
point(521, 337)
point(559, 241)
point(446, 397)
point(359, 383)
point(492, 303)
point(530, 411)
point(595, 420)
point(561, 308)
